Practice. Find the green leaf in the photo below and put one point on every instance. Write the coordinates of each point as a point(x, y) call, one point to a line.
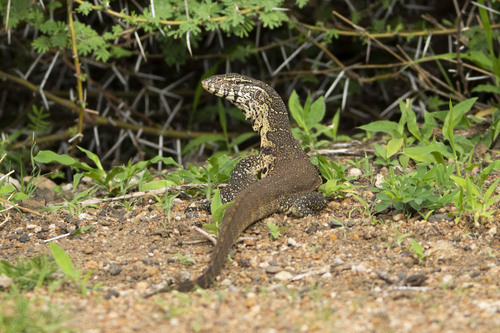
point(200, 140)
point(85, 8)
point(495, 165)
point(316, 113)
point(324, 167)
point(461, 108)
point(418, 249)
point(47, 156)
point(487, 88)
point(393, 146)
point(218, 208)
point(64, 262)
point(385, 126)
point(157, 184)
point(460, 181)
point(7, 189)
point(411, 122)
point(489, 192)
point(430, 154)
point(41, 44)
point(242, 138)
point(296, 109)
point(428, 127)
point(93, 157)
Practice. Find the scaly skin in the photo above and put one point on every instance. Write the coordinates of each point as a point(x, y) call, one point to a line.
point(280, 178)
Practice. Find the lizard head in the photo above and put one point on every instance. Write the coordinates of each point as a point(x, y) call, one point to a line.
point(250, 95)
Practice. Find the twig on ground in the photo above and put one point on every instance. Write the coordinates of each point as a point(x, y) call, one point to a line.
point(311, 272)
point(20, 207)
point(206, 234)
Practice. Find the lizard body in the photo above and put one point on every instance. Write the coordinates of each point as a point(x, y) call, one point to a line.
point(280, 178)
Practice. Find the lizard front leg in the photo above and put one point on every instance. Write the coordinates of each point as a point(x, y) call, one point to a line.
point(245, 173)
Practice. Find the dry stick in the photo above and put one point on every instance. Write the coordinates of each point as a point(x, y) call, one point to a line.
point(210, 237)
point(311, 272)
point(419, 69)
point(383, 46)
point(460, 67)
point(330, 55)
point(425, 75)
point(7, 219)
point(20, 207)
point(98, 120)
point(179, 188)
point(165, 22)
point(410, 33)
point(76, 60)
point(256, 10)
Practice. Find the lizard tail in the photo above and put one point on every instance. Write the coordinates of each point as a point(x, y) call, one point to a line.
point(252, 204)
point(246, 210)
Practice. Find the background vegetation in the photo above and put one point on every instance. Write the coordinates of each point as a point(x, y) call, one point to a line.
point(121, 78)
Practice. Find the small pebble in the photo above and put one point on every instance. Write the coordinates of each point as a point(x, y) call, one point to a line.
point(379, 180)
point(354, 173)
point(5, 282)
point(447, 279)
point(398, 217)
point(272, 269)
point(359, 268)
point(141, 286)
point(24, 238)
point(292, 242)
point(338, 262)
point(283, 275)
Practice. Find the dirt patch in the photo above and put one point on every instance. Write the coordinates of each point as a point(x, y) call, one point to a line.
point(332, 272)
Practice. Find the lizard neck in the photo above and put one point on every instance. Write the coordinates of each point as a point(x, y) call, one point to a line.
point(272, 122)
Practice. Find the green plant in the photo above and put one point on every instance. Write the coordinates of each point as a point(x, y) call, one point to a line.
point(414, 191)
point(185, 260)
point(165, 202)
point(218, 210)
point(218, 170)
point(66, 265)
point(20, 313)
point(406, 132)
point(30, 273)
point(482, 51)
point(403, 133)
point(308, 118)
point(117, 182)
point(9, 193)
point(398, 238)
point(418, 250)
point(274, 230)
point(362, 164)
point(38, 120)
point(474, 198)
point(334, 173)
point(81, 230)
point(75, 205)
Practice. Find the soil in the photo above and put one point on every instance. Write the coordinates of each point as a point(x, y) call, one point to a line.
point(336, 271)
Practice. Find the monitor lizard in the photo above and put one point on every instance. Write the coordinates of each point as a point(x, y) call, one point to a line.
point(281, 178)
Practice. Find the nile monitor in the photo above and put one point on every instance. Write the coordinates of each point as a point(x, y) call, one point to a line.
point(280, 178)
